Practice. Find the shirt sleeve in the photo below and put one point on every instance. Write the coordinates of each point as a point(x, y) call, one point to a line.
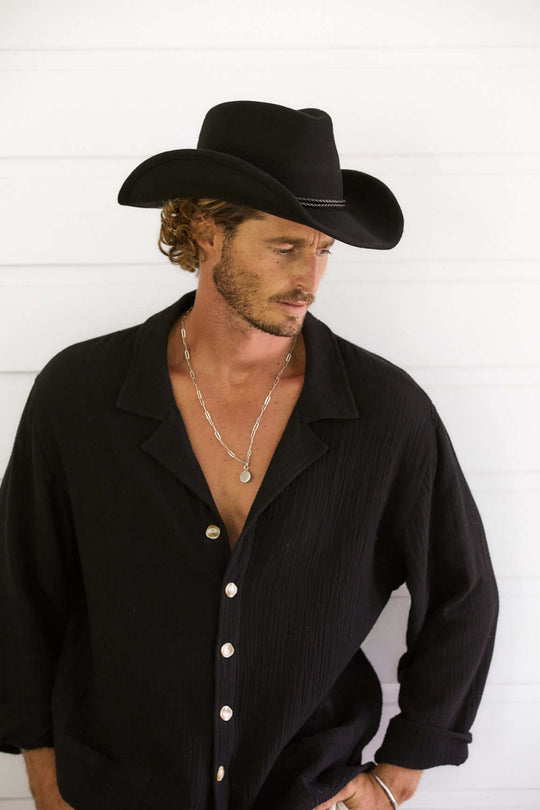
point(36, 579)
point(452, 618)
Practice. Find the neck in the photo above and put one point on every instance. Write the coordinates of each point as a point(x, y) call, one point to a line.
point(230, 351)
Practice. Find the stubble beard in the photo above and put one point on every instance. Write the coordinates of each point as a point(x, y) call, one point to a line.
point(240, 289)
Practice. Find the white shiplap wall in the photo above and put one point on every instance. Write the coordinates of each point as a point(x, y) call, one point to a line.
point(441, 101)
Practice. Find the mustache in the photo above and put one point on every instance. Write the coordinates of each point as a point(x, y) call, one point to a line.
point(296, 299)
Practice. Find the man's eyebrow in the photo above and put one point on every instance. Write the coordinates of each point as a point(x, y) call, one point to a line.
point(292, 240)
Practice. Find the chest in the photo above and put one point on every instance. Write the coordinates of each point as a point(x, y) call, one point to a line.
point(234, 417)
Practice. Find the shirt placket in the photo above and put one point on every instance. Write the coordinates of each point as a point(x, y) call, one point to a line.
point(228, 658)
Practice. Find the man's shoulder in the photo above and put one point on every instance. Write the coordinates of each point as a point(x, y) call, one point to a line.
point(375, 374)
point(392, 403)
point(86, 364)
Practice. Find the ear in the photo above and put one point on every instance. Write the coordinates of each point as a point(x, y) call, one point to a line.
point(206, 233)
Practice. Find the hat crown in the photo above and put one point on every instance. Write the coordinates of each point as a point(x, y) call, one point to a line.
point(296, 147)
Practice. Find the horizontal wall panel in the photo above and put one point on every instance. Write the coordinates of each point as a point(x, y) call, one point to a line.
point(516, 656)
point(496, 482)
point(414, 109)
point(476, 799)
point(491, 428)
point(342, 24)
point(498, 761)
point(493, 692)
point(460, 376)
point(448, 217)
point(201, 58)
point(450, 323)
point(14, 783)
point(39, 320)
point(351, 265)
point(510, 519)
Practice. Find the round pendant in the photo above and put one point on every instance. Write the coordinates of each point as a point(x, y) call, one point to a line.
point(245, 476)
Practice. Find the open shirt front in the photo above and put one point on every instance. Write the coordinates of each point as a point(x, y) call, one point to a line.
point(165, 668)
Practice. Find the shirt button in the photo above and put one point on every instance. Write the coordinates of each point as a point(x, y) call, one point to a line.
point(213, 532)
point(227, 650)
point(226, 713)
point(231, 589)
point(220, 773)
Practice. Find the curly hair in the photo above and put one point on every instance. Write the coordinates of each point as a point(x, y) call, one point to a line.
point(178, 217)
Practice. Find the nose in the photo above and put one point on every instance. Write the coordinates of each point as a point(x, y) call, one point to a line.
point(308, 272)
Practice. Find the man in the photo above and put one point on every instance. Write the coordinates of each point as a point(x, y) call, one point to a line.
point(203, 516)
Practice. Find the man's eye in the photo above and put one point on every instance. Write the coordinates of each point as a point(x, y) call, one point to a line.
point(289, 250)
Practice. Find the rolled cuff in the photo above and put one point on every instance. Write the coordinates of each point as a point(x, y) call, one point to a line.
point(412, 745)
point(25, 725)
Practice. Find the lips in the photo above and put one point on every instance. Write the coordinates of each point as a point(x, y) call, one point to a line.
point(293, 309)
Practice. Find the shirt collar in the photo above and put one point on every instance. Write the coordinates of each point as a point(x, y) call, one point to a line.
point(146, 388)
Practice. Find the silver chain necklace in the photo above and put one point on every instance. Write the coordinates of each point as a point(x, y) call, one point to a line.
point(245, 475)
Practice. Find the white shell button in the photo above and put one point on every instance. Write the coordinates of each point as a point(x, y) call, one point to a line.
point(231, 589)
point(226, 713)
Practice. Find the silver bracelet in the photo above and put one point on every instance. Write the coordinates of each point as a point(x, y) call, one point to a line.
point(386, 790)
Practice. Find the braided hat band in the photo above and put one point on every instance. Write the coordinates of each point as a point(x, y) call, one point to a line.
point(315, 203)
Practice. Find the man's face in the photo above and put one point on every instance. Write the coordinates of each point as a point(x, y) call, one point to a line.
point(269, 261)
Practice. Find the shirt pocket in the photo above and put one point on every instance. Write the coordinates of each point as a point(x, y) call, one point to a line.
point(87, 778)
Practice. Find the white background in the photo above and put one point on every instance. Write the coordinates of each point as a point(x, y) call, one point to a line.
point(438, 99)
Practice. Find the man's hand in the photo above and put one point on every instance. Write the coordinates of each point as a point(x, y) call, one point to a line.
point(365, 793)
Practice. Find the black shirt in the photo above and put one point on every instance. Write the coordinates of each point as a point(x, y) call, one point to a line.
point(167, 670)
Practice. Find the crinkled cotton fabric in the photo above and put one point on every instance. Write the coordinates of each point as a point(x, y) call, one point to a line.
point(166, 669)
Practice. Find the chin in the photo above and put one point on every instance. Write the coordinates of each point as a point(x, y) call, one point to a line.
point(281, 329)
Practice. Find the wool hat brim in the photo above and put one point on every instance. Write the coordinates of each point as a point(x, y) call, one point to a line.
point(371, 218)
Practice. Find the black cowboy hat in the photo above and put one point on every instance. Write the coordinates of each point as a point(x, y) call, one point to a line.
point(278, 160)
